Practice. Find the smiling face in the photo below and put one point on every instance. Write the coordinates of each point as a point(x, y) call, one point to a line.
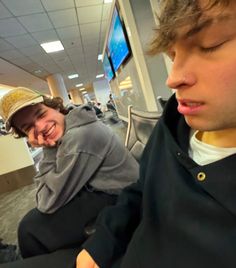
point(204, 71)
point(41, 122)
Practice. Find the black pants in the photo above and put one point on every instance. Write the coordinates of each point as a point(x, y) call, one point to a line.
point(64, 258)
point(40, 233)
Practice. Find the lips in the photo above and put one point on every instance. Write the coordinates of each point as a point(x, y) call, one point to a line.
point(48, 132)
point(190, 103)
point(189, 107)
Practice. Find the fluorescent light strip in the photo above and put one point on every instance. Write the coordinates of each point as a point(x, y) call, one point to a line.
point(71, 76)
point(99, 75)
point(79, 85)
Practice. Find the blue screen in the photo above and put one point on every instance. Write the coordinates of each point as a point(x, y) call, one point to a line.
point(117, 44)
point(109, 74)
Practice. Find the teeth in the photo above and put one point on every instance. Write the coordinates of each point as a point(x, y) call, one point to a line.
point(192, 104)
point(49, 131)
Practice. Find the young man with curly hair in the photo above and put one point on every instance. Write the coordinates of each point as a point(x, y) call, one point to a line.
point(83, 169)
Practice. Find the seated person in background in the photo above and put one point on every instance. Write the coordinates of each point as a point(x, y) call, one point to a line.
point(97, 110)
point(182, 210)
point(84, 168)
point(110, 106)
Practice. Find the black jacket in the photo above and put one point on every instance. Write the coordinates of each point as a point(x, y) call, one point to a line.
point(178, 215)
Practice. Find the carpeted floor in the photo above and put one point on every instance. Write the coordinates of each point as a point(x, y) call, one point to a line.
point(14, 205)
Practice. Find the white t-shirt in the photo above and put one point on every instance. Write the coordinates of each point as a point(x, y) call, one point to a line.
point(203, 153)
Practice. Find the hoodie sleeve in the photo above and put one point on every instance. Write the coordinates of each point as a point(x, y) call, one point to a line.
point(60, 180)
point(115, 226)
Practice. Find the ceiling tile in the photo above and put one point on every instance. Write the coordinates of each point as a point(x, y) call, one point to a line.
point(41, 58)
point(23, 7)
point(89, 40)
point(32, 50)
point(67, 67)
point(50, 5)
point(63, 18)
point(21, 40)
point(4, 13)
point(71, 43)
point(11, 54)
point(5, 45)
point(74, 51)
point(45, 36)
point(91, 29)
point(31, 67)
point(52, 68)
point(21, 61)
point(81, 3)
point(77, 59)
point(10, 27)
point(68, 32)
point(60, 55)
point(89, 14)
point(36, 22)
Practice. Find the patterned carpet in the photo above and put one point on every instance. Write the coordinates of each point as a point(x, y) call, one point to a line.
point(14, 205)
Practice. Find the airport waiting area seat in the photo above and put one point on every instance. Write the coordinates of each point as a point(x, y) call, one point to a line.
point(140, 126)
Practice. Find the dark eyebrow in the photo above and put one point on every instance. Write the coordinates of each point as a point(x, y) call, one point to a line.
point(198, 28)
point(206, 23)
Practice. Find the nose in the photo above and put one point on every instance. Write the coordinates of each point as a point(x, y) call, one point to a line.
point(39, 126)
point(182, 73)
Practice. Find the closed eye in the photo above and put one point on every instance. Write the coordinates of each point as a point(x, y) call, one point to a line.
point(211, 48)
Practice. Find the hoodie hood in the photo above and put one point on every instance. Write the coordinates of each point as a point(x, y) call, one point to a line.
point(80, 116)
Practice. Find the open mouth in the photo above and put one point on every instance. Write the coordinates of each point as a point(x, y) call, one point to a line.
point(190, 107)
point(49, 131)
point(190, 103)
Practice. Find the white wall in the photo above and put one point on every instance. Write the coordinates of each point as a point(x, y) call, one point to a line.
point(156, 66)
point(14, 155)
point(102, 90)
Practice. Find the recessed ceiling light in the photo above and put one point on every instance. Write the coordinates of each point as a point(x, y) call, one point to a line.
point(84, 92)
point(79, 85)
point(99, 75)
point(38, 72)
point(81, 89)
point(52, 46)
point(71, 76)
point(100, 57)
point(107, 1)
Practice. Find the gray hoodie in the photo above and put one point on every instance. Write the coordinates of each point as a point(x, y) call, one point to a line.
point(88, 153)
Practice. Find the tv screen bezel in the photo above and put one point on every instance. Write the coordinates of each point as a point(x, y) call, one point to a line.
point(111, 66)
point(111, 30)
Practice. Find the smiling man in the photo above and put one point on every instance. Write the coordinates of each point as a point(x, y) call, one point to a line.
point(84, 167)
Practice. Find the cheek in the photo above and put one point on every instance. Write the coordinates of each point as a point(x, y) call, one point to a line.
point(222, 77)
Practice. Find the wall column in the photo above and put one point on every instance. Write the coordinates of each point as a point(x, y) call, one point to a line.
point(57, 87)
point(75, 96)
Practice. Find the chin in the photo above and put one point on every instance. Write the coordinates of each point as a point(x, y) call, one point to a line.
point(197, 124)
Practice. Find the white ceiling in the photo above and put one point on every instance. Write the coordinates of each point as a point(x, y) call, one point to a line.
point(79, 24)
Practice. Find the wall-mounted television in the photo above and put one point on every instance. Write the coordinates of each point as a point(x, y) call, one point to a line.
point(117, 44)
point(108, 69)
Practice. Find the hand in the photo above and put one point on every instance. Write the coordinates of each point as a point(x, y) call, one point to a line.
point(84, 260)
point(39, 141)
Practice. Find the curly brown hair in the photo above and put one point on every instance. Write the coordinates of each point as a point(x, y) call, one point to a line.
point(177, 13)
point(55, 103)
